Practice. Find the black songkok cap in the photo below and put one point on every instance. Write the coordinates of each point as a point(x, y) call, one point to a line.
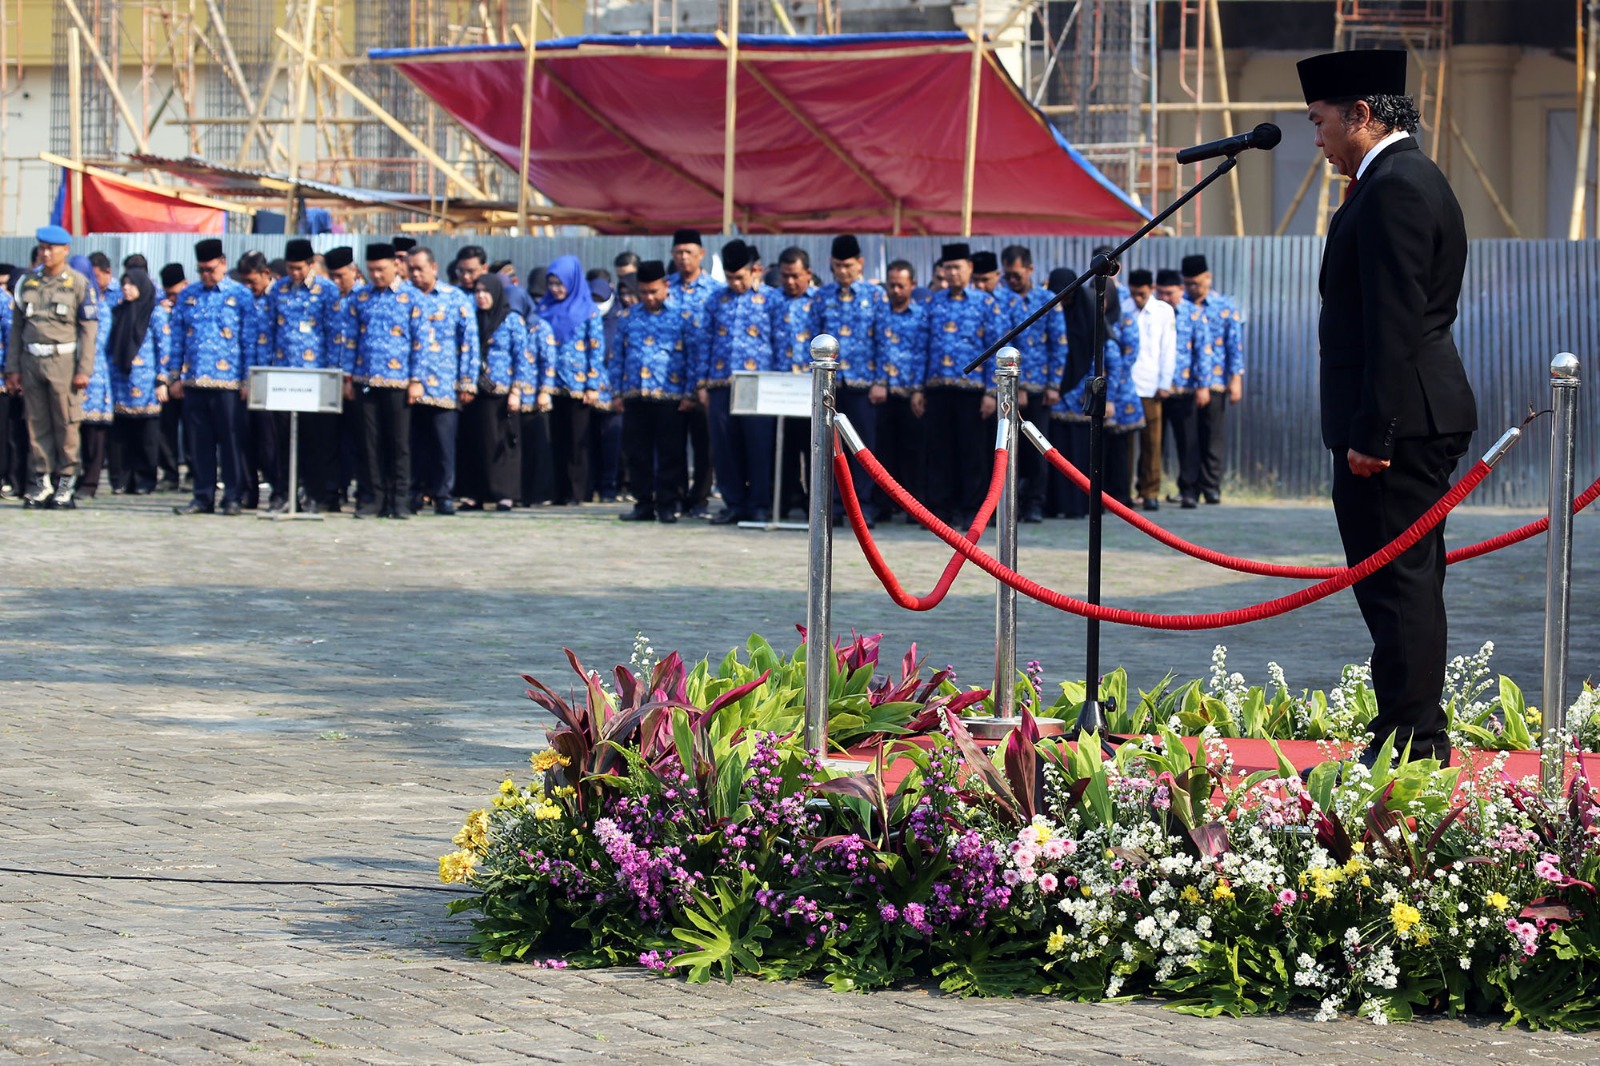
point(207, 250)
point(1194, 265)
point(1061, 277)
point(985, 263)
point(686, 236)
point(1139, 278)
point(341, 256)
point(755, 254)
point(846, 247)
point(403, 243)
point(299, 251)
point(172, 274)
point(1168, 277)
point(7, 269)
point(379, 250)
point(1347, 75)
point(959, 250)
point(651, 270)
point(735, 256)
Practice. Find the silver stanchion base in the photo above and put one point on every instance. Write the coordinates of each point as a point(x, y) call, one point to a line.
point(774, 525)
point(291, 516)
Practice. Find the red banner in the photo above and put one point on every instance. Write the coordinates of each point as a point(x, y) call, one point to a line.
point(109, 206)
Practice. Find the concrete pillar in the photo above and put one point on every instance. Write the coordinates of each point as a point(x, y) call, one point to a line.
point(1478, 94)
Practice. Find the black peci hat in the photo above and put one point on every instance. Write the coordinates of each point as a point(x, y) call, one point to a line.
point(651, 270)
point(379, 250)
point(1061, 277)
point(403, 243)
point(1348, 75)
point(985, 262)
point(1168, 277)
point(207, 250)
point(172, 274)
point(299, 251)
point(686, 236)
point(959, 250)
point(845, 246)
point(735, 255)
point(335, 258)
point(1138, 279)
point(1194, 265)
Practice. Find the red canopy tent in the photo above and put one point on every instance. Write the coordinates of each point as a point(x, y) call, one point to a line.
point(853, 133)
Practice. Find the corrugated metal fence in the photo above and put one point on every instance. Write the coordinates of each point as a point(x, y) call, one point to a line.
point(1523, 301)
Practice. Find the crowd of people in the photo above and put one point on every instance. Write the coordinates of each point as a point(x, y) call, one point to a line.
point(466, 388)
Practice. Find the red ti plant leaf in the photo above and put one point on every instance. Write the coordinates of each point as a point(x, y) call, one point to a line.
point(1211, 839)
point(668, 681)
point(732, 696)
point(862, 651)
point(978, 763)
point(1332, 836)
point(1549, 909)
point(629, 692)
point(1022, 767)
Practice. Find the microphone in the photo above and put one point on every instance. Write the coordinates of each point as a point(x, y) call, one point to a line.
point(1265, 136)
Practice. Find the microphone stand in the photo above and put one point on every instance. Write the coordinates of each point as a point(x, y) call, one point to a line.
point(1092, 717)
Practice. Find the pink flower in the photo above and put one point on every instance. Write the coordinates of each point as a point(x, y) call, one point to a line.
point(1287, 897)
point(1047, 883)
point(1011, 878)
point(1548, 869)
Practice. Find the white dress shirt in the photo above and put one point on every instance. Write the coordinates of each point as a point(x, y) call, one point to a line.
point(1158, 348)
point(1372, 153)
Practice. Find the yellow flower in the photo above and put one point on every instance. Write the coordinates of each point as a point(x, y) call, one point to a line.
point(1322, 891)
point(1222, 893)
point(456, 866)
point(1353, 867)
point(1366, 882)
point(474, 836)
point(1041, 833)
point(1358, 846)
point(1424, 938)
point(1404, 916)
point(546, 812)
point(1498, 900)
point(547, 760)
point(1057, 942)
point(507, 787)
point(1190, 894)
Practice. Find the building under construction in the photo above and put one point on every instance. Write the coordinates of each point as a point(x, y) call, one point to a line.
point(279, 105)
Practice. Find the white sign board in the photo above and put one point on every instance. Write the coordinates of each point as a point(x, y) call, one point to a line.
point(763, 392)
point(306, 391)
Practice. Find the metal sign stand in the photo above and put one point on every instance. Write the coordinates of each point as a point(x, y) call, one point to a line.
point(783, 396)
point(295, 390)
point(1564, 382)
point(819, 620)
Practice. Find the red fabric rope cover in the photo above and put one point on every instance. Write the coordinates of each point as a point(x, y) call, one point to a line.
point(1218, 620)
point(1309, 573)
point(869, 547)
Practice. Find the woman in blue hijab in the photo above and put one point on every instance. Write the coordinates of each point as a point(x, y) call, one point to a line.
point(577, 380)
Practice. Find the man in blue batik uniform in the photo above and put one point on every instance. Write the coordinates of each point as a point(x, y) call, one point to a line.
point(209, 351)
point(1217, 343)
point(849, 309)
point(1178, 410)
point(449, 370)
point(650, 378)
point(389, 336)
point(691, 287)
point(794, 324)
point(260, 448)
point(962, 320)
point(304, 336)
point(347, 278)
point(736, 334)
point(902, 351)
point(1044, 361)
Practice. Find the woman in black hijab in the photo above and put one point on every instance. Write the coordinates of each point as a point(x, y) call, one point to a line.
point(135, 351)
point(490, 464)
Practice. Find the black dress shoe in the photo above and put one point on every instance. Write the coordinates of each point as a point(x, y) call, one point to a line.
point(369, 510)
point(725, 517)
point(1188, 503)
point(1152, 504)
point(1030, 515)
point(1213, 497)
point(666, 518)
point(444, 507)
point(699, 510)
point(638, 514)
point(194, 507)
point(232, 509)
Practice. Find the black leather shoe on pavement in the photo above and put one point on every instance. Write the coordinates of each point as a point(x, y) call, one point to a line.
point(232, 509)
point(1188, 503)
point(444, 507)
point(1152, 504)
point(193, 507)
point(638, 514)
point(1031, 515)
point(725, 517)
point(1213, 497)
point(666, 518)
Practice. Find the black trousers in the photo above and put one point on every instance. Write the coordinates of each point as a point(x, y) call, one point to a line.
point(434, 431)
point(1403, 603)
point(319, 458)
point(172, 458)
point(387, 420)
point(569, 436)
point(1031, 465)
point(1062, 497)
point(136, 447)
point(1178, 416)
point(863, 414)
point(7, 471)
point(902, 448)
point(605, 454)
point(697, 476)
point(92, 438)
point(1209, 422)
point(259, 445)
point(959, 451)
point(653, 433)
point(490, 466)
point(211, 420)
point(795, 475)
point(353, 451)
point(533, 444)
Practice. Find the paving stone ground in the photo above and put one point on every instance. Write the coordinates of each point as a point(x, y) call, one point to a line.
point(272, 704)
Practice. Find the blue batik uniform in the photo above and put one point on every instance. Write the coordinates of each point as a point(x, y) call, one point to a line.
point(97, 406)
point(651, 360)
point(6, 311)
point(736, 334)
point(111, 295)
point(259, 331)
point(208, 329)
point(903, 347)
point(389, 334)
point(1122, 350)
point(449, 361)
point(538, 355)
point(578, 364)
point(794, 323)
point(1183, 331)
point(692, 296)
point(133, 394)
point(303, 326)
point(342, 327)
point(850, 314)
point(1216, 339)
point(960, 325)
point(1044, 351)
point(507, 362)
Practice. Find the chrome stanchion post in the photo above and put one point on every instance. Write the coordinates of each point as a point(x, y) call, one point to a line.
point(1007, 365)
point(1564, 380)
point(819, 646)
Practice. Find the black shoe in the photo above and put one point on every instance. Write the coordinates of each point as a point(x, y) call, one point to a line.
point(311, 507)
point(1152, 504)
point(1031, 515)
point(369, 510)
point(195, 507)
point(445, 506)
point(332, 507)
point(277, 505)
point(1188, 503)
point(1213, 497)
point(169, 485)
point(910, 519)
point(503, 506)
point(640, 514)
point(699, 510)
point(666, 518)
point(763, 516)
point(232, 510)
point(725, 517)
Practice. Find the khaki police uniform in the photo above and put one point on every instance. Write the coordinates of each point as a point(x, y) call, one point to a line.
point(53, 330)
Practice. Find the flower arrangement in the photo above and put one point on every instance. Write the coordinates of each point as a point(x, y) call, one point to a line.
point(677, 822)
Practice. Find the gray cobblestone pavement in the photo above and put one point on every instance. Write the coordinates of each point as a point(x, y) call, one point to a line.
point(241, 700)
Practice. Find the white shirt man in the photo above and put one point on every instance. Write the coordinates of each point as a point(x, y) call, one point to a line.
point(1152, 374)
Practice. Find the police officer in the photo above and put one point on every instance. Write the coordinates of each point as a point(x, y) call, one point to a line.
point(49, 357)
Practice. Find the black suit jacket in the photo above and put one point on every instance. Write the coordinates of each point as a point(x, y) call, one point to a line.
point(1391, 277)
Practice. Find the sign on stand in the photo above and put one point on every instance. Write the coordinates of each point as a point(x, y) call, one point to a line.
point(298, 391)
point(772, 393)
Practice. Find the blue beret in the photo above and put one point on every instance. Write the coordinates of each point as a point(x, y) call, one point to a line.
point(52, 235)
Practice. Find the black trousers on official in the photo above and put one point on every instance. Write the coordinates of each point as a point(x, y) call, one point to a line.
point(260, 447)
point(741, 451)
point(171, 457)
point(1209, 424)
point(1403, 603)
point(902, 448)
point(92, 448)
point(136, 451)
point(1031, 465)
point(852, 402)
point(434, 431)
point(569, 436)
point(653, 433)
point(959, 451)
point(386, 418)
point(1181, 427)
point(533, 444)
point(697, 471)
point(211, 422)
point(605, 454)
point(319, 458)
point(1063, 498)
point(353, 451)
point(8, 468)
point(490, 467)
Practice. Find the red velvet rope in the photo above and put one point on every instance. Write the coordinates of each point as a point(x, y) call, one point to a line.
point(1218, 620)
point(1309, 573)
point(869, 546)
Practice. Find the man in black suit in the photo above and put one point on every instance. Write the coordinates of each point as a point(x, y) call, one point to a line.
point(1397, 410)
